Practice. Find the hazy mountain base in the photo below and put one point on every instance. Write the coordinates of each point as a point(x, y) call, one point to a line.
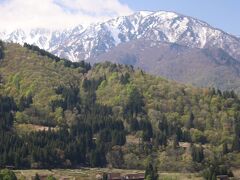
point(210, 67)
point(157, 115)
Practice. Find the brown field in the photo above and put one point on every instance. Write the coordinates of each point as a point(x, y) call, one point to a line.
point(90, 174)
point(26, 128)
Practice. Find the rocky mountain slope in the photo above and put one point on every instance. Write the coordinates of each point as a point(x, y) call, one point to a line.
point(82, 43)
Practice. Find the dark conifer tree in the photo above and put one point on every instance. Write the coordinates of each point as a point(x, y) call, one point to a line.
point(151, 172)
point(225, 148)
point(190, 122)
point(236, 144)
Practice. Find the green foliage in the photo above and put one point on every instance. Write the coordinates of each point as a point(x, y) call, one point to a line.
point(160, 139)
point(135, 103)
point(124, 79)
point(97, 159)
point(216, 167)
point(134, 125)
point(7, 106)
point(118, 138)
point(190, 122)
point(105, 176)
point(225, 148)
point(197, 154)
point(147, 129)
point(16, 81)
point(25, 102)
point(1, 50)
point(6, 174)
point(198, 136)
point(151, 172)
point(175, 142)
point(36, 177)
point(98, 106)
point(70, 96)
point(66, 63)
point(236, 144)
point(51, 178)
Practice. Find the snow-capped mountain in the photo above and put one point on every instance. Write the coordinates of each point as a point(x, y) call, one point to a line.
point(88, 42)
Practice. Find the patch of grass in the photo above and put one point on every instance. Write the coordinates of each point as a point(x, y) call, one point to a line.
point(90, 173)
point(179, 176)
point(26, 128)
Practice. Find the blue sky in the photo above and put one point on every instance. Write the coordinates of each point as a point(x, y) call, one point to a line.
point(223, 14)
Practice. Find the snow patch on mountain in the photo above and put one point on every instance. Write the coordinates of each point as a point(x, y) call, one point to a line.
point(80, 42)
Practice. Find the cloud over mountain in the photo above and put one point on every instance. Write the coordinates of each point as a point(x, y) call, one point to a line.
point(57, 13)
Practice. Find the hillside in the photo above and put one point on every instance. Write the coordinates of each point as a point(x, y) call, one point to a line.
point(110, 115)
point(27, 74)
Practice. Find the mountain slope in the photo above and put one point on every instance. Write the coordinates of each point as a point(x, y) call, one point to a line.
point(101, 41)
point(82, 43)
point(211, 67)
point(102, 105)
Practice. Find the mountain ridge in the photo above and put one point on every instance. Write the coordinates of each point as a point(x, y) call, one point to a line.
point(101, 37)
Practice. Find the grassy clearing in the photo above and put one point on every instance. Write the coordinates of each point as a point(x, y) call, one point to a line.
point(90, 173)
point(179, 176)
point(26, 128)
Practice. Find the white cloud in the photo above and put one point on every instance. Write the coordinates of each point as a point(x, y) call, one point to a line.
point(57, 13)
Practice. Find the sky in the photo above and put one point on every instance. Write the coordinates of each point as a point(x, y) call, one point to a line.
point(26, 14)
point(223, 14)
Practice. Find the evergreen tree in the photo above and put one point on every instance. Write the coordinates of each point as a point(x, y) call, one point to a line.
point(151, 172)
point(160, 139)
point(1, 50)
point(36, 177)
point(190, 122)
point(95, 160)
point(197, 154)
point(175, 142)
point(186, 137)
point(105, 176)
point(163, 125)
point(135, 103)
point(236, 144)
point(225, 148)
point(124, 79)
point(134, 126)
point(118, 138)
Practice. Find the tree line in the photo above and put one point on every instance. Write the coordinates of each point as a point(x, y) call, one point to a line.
point(86, 66)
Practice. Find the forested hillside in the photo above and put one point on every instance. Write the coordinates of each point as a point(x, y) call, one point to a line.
point(110, 115)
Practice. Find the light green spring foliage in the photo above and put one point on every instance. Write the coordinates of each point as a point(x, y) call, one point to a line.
point(6, 174)
point(175, 100)
point(25, 72)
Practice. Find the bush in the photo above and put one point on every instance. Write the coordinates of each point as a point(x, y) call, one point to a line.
point(6, 174)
